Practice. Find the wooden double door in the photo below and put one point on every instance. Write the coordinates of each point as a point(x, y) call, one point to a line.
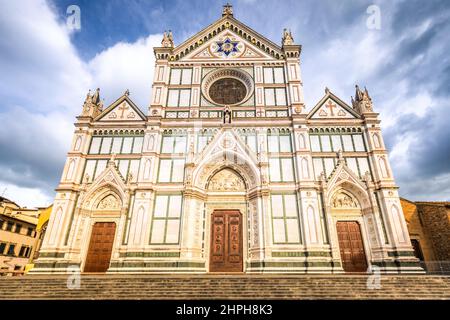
point(226, 251)
point(351, 246)
point(100, 247)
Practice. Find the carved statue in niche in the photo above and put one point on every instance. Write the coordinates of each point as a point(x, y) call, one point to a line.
point(108, 203)
point(227, 115)
point(226, 180)
point(343, 200)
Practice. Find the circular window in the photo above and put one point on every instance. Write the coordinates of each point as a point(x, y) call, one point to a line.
point(227, 87)
point(227, 91)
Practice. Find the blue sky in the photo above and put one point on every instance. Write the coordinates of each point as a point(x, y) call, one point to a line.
point(47, 70)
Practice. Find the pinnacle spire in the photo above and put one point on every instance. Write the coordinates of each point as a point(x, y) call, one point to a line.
point(287, 39)
point(92, 105)
point(362, 102)
point(167, 40)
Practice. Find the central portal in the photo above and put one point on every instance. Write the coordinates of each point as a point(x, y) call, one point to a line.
point(226, 241)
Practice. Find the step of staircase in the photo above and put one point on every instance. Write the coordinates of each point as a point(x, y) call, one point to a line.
point(195, 287)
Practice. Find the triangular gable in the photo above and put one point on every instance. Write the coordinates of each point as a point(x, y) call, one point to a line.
point(227, 139)
point(111, 175)
point(331, 107)
point(123, 109)
point(227, 45)
point(343, 173)
point(109, 179)
point(248, 36)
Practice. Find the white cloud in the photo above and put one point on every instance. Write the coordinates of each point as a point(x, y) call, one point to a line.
point(126, 66)
point(42, 88)
point(43, 82)
point(343, 62)
point(41, 67)
point(26, 197)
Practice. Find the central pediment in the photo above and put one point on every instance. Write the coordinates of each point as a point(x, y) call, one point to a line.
point(227, 45)
point(227, 38)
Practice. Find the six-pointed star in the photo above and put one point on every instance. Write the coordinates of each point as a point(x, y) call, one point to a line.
point(227, 46)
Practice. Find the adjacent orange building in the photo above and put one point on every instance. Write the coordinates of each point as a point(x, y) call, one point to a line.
point(429, 228)
point(21, 233)
point(17, 236)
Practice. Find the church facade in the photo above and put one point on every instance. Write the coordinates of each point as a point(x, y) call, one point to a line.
point(227, 171)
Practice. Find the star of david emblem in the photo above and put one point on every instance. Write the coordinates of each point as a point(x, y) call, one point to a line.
point(227, 46)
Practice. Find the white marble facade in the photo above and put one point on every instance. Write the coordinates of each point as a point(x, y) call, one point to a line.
point(293, 172)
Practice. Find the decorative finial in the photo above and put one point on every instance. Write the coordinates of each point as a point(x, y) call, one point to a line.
point(227, 10)
point(88, 97)
point(367, 177)
point(130, 177)
point(127, 92)
point(287, 37)
point(327, 90)
point(167, 40)
point(340, 155)
point(367, 93)
point(96, 96)
point(362, 102)
point(322, 177)
point(112, 160)
point(92, 105)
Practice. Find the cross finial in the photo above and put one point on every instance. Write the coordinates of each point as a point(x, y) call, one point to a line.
point(227, 10)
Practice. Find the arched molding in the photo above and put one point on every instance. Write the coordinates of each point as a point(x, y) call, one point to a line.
point(343, 199)
point(55, 226)
point(77, 145)
point(93, 199)
point(352, 190)
point(226, 159)
point(343, 179)
point(70, 169)
point(376, 141)
point(226, 179)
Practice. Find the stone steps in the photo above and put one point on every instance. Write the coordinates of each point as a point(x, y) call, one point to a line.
point(193, 287)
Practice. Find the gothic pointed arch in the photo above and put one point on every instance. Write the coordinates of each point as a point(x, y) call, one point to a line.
point(345, 182)
point(227, 140)
point(226, 179)
point(77, 145)
point(70, 169)
point(342, 198)
point(226, 150)
point(108, 187)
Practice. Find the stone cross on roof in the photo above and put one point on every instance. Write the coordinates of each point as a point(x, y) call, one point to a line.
point(227, 10)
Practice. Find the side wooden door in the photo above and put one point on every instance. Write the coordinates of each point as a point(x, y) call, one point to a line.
point(351, 246)
point(100, 247)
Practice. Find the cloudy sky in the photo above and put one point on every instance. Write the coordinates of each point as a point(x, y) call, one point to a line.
point(47, 68)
